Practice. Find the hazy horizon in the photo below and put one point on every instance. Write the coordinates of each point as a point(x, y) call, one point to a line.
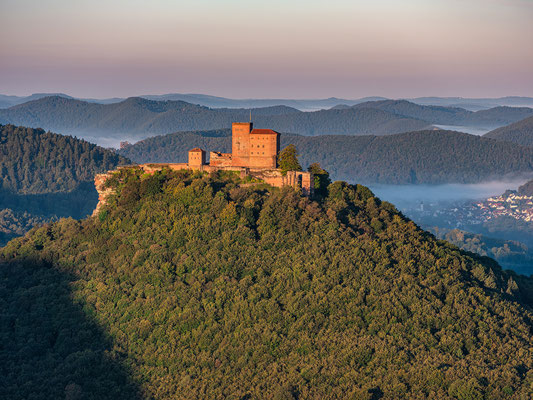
point(291, 50)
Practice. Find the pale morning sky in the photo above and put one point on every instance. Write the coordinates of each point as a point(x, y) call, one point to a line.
point(276, 48)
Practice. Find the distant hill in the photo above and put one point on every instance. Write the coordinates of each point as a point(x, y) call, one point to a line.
point(413, 157)
point(195, 287)
point(493, 117)
point(141, 117)
point(435, 114)
point(526, 189)
point(224, 102)
point(520, 132)
point(473, 104)
point(204, 100)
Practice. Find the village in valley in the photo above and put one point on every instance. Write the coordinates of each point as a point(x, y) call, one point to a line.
point(510, 204)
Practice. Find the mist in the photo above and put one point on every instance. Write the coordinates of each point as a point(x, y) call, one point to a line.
point(472, 130)
point(409, 196)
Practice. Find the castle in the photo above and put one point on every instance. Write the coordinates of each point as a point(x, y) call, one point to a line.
point(254, 153)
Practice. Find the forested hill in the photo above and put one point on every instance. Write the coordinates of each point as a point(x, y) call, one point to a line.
point(45, 175)
point(140, 117)
point(520, 132)
point(189, 286)
point(33, 161)
point(413, 157)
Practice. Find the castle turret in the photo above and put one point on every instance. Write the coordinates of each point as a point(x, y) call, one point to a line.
point(196, 158)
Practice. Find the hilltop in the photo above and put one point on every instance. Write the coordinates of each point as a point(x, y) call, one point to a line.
point(520, 132)
point(187, 284)
point(413, 157)
point(141, 117)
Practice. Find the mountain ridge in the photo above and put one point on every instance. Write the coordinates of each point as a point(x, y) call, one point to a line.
point(473, 104)
point(139, 116)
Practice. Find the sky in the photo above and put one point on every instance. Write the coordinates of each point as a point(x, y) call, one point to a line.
point(267, 49)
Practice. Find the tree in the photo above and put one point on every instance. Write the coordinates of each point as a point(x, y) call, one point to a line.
point(288, 159)
point(321, 179)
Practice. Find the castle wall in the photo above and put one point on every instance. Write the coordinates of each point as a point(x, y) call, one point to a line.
point(217, 159)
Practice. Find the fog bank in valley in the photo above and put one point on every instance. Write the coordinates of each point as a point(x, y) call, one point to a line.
point(409, 196)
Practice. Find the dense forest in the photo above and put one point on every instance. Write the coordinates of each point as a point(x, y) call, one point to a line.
point(191, 286)
point(413, 157)
point(46, 175)
point(33, 161)
point(520, 132)
point(141, 117)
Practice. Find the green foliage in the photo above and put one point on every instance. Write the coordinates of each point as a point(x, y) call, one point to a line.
point(205, 289)
point(288, 159)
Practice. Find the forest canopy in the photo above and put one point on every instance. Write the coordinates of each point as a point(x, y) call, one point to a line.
point(189, 285)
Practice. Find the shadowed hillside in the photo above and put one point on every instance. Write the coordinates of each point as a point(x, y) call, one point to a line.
point(50, 345)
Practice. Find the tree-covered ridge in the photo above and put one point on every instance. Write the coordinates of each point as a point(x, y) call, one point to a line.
point(520, 132)
point(206, 289)
point(34, 161)
point(412, 157)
